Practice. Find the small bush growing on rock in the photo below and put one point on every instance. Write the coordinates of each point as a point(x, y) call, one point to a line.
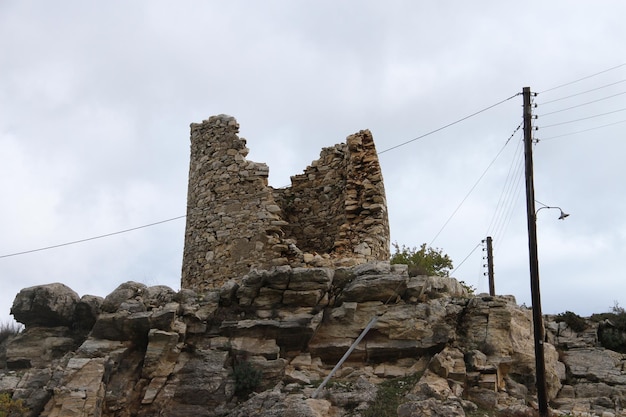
point(469, 288)
point(612, 328)
point(11, 407)
point(573, 321)
point(247, 378)
point(422, 261)
point(390, 395)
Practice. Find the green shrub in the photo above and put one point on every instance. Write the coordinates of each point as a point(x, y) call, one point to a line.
point(390, 395)
point(612, 328)
point(469, 288)
point(11, 407)
point(573, 321)
point(612, 338)
point(422, 261)
point(247, 378)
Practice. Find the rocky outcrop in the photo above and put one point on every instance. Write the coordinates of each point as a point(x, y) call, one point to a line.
point(152, 351)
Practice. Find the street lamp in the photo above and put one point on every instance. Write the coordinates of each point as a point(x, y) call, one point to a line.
point(561, 217)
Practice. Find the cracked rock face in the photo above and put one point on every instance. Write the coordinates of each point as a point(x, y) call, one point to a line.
point(151, 350)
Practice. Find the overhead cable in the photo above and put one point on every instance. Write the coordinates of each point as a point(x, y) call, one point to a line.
point(91, 238)
point(583, 78)
point(449, 124)
point(583, 118)
point(472, 189)
point(507, 192)
point(582, 131)
point(543, 103)
point(465, 259)
point(583, 104)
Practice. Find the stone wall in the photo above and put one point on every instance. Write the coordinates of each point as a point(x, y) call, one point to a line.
point(335, 213)
point(338, 204)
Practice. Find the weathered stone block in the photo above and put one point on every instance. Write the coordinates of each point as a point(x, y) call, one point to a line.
point(306, 279)
point(375, 288)
point(249, 346)
point(302, 298)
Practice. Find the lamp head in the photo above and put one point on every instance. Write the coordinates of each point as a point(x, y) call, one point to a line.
point(561, 217)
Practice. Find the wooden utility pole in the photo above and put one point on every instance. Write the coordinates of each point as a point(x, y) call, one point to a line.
point(540, 368)
point(492, 284)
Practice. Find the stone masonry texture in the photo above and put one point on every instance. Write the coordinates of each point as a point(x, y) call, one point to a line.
point(333, 214)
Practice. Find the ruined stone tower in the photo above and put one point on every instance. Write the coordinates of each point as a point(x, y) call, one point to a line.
point(334, 214)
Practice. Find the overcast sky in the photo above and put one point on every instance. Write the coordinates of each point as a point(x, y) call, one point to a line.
point(96, 99)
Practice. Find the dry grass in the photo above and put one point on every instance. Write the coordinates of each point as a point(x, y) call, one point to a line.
point(8, 329)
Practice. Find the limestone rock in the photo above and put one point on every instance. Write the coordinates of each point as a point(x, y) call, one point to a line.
point(161, 354)
point(156, 296)
point(432, 385)
point(48, 305)
point(38, 346)
point(172, 354)
point(373, 268)
point(87, 311)
point(374, 288)
point(449, 363)
point(124, 297)
point(276, 404)
point(357, 395)
point(596, 365)
point(200, 384)
point(248, 346)
point(122, 326)
point(431, 408)
point(427, 287)
point(307, 279)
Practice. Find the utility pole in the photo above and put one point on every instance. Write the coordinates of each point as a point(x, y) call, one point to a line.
point(540, 368)
point(492, 284)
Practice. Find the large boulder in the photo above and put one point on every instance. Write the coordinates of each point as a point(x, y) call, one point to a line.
point(424, 287)
point(384, 288)
point(48, 305)
point(86, 312)
point(127, 296)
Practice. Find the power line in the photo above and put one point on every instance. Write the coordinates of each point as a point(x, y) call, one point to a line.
point(91, 238)
point(581, 79)
point(180, 217)
point(501, 233)
point(507, 194)
point(449, 124)
point(583, 92)
point(582, 131)
point(383, 151)
point(472, 189)
point(465, 259)
point(584, 118)
point(583, 104)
